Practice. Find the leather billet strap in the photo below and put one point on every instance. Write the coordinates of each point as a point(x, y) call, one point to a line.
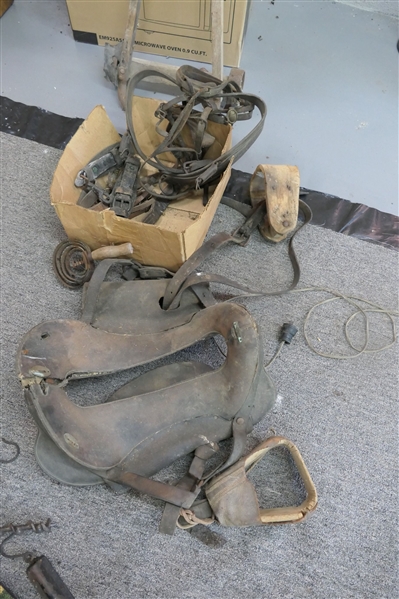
point(186, 276)
point(171, 494)
point(200, 88)
point(240, 236)
point(195, 260)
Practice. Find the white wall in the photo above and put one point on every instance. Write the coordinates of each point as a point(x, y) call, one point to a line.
point(387, 7)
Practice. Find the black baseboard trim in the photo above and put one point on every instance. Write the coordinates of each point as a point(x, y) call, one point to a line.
point(331, 212)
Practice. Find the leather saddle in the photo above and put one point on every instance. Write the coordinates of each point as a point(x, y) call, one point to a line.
point(170, 411)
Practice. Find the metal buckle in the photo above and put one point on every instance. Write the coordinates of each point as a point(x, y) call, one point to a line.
point(243, 233)
point(160, 113)
point(81, 179)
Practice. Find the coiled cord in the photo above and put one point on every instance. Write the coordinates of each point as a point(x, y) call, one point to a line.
point(354, 301)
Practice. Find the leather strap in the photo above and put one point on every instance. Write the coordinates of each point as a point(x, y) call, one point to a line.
point(189, 482)
point(171, 494)
point(200, 88)
point(202, 122)
point(185, 277)
point(239, 236)
point(245, 209)
point(94, 286)
point(191, 264)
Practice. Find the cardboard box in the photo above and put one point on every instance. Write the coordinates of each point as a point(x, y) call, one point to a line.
point(178, 28)
point(5, 5)
point(182, 227)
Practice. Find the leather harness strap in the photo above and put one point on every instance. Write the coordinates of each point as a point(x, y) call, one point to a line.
point(199, 88)
point(186, 277)
point(186, 137)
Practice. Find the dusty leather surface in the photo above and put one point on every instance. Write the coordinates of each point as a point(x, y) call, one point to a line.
point(233, 498)
point(167, 413)
point(144, 314)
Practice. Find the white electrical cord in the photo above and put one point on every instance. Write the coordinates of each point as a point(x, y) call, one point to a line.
point(374, 308)
point(360, 310)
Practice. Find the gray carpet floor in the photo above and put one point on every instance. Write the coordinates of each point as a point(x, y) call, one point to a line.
point(341, 414)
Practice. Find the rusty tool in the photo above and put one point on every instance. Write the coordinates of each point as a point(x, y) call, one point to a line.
point(73, 261)
point(40, 571)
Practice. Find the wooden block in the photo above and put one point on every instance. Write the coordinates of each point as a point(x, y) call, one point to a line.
point(278, 186)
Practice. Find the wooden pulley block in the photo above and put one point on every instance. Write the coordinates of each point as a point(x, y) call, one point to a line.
point(278, 186)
